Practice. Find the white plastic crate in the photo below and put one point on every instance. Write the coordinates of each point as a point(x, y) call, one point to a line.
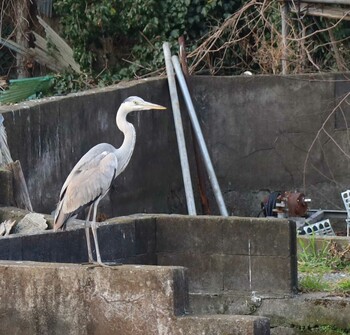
point(346, 199)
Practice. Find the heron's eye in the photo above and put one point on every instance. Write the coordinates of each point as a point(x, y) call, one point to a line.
point(135, 102)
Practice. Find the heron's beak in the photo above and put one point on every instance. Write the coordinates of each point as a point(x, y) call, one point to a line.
point(150, 105)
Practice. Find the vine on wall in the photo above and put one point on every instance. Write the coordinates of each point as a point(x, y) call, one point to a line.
point(114, 39)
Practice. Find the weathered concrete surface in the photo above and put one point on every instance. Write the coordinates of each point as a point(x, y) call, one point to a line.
point(307, 310)
point(219, 254)
point(258, 131)
point(126, 240)
point(129, 300)
point(229, 325)
point(230, 254)
point(222, 254)
point(297, 311)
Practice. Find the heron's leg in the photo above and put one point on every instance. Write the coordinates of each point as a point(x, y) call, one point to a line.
point(94, 233)
point(87, 234)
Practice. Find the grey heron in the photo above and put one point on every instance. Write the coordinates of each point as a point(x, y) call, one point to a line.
point(91, 178)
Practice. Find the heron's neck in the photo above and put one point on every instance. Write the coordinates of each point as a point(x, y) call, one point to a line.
point(124, 153)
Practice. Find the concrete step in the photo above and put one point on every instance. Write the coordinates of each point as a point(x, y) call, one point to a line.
point(48, 298)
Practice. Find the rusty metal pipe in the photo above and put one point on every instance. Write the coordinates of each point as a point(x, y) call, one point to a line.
point(199, 135)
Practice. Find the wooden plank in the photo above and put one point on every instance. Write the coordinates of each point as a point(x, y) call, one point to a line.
point(6, 189)
point(323, 11)
point(322, 2)
point(329, 2)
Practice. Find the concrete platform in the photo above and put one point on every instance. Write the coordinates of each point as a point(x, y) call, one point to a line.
point(237, 278)
point(46, 298)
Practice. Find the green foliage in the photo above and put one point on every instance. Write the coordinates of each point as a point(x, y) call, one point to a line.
point(313, 283)
point(320, 258)
point(326, 330)
point(123, 38)
point(344, 286)
point(71, 82)
point(313, 258)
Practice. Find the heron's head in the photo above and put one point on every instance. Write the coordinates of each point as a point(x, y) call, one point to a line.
point(138, 104)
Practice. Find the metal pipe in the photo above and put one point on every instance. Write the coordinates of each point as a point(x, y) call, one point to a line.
point(284, 16)
point(201, 173)
point(199, 135)
point(179, 131)
point(332, 2)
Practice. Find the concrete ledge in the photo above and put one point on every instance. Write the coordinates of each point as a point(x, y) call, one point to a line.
point(224, 324)
point(46, 298)
point(287, 314)
point(72, 299)
point(128, 240)
point(307, 310)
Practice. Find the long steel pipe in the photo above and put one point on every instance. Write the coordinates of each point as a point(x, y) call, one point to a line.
point(199, 135)
point(330, 2)
point(179, 131)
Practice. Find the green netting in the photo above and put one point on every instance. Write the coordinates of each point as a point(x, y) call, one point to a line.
point(23, 89)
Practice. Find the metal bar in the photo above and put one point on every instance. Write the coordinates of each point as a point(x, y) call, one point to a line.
point(333, 2)
point(179, 131)
point(327, 213)
point(321, 2)
point(284, 16)
point(199, 135)
point(202, 177)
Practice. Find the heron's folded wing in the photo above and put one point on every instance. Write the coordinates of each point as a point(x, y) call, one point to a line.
point(89, 182)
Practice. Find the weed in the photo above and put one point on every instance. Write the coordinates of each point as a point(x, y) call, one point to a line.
point(343, 286)
point(318, 261)
point(313, 258)
point(313, 283)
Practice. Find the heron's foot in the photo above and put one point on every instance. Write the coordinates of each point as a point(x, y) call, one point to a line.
point(93, 264)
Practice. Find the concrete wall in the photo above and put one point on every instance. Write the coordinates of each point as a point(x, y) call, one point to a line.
point(223, 255)
point(258, 130)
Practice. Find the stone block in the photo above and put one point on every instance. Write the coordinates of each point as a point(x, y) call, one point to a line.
point(236, 235)
point(236, 273)
point(145, 236)
point(117, 240)
point(205, 272)
point(272, 237)
point(65, 247)
point(188, 233)
point(118, 243)
point(79, 300)
point(273, 274)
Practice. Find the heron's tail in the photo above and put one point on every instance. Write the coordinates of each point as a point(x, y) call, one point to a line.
point(60, 218)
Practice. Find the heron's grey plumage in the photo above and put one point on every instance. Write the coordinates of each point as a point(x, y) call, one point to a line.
point(92, 176)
